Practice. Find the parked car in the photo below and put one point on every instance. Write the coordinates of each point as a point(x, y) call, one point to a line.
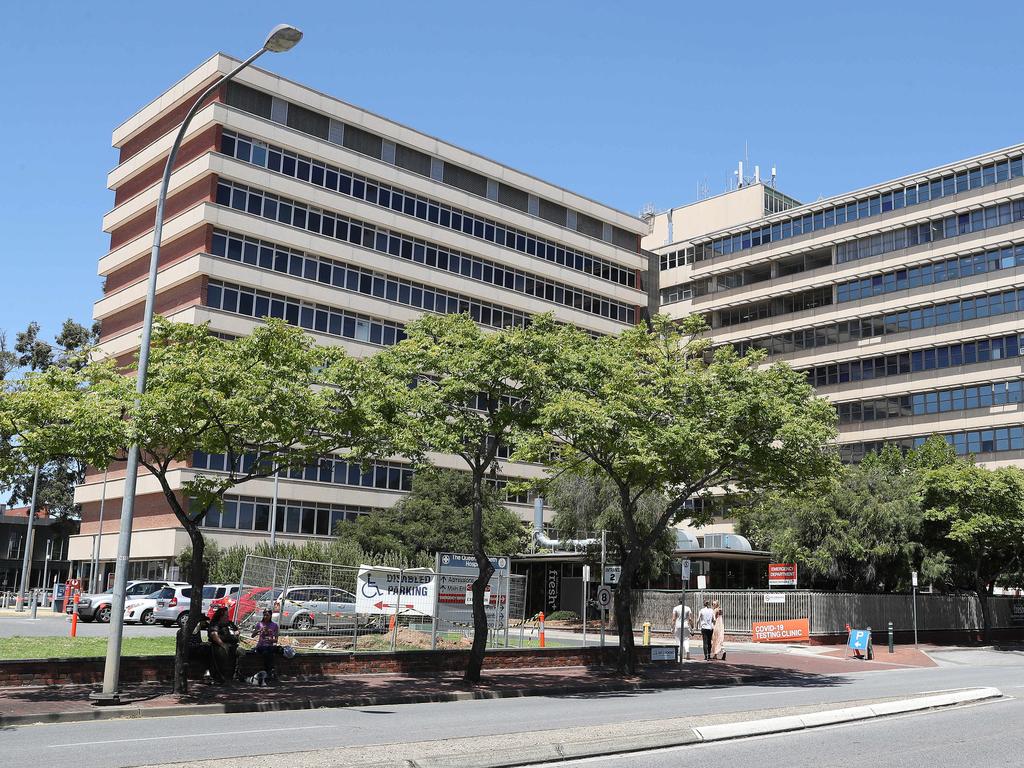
point(312, 605)
point(142, 610)
point(173, 604)
point(97, 606)
point(241, 608)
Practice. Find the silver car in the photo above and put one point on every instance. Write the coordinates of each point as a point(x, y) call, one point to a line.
point(173, 602)
point(305, 607)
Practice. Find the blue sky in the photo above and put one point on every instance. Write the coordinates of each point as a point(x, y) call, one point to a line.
point(627, 103)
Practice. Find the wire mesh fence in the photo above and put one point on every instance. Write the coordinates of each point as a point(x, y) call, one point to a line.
point(370, 608)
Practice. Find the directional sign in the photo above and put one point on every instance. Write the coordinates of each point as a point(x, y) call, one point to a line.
point(385, 590)
point(612, 574)
point(685, 570)
point(469, 595)
point(456, 574)
point(604, 596)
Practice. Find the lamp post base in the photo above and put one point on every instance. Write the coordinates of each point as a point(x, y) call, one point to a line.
point(101, 699)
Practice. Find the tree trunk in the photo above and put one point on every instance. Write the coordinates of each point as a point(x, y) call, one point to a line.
point(476, 653)
point(626, 663)
point(197, 580)
point(981, 588)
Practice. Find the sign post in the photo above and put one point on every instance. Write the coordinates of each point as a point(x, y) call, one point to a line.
point(583, 612)
point(684, 577)
point(913, 583)
point(604, 605)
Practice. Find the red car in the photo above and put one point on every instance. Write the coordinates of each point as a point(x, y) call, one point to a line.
point(250, 601)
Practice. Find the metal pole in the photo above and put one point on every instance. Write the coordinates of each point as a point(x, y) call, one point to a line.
point(26, 563)
point(273, 510)
point(46, 564)
point(583, 613)
point(915, 616)
point(398, 608)
point(112, 665)
point(683, 575)
point(508, 604)
point(437, 601)
point(94, 567)
point(604, 551)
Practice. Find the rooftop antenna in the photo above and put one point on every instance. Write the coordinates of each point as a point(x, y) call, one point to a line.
point(772, 182)
point(647, 216)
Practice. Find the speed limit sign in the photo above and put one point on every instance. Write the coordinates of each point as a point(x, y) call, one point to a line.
point(604, 596)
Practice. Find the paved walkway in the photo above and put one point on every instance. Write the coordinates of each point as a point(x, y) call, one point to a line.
point(72, 702)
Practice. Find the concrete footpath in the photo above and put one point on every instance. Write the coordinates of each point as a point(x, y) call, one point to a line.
point(26, 705)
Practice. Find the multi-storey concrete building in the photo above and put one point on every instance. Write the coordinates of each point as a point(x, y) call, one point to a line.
point(902, 302)
point(288, 203)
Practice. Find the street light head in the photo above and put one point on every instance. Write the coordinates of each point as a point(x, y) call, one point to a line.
point(282, 38)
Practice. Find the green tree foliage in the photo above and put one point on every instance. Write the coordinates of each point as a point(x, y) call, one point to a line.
point(451, 387)
point(260, 400)
point(586, 505)
point(33, 353)
point(974, 522)
point(645, 410)
point(8, 358)
point(437, 516)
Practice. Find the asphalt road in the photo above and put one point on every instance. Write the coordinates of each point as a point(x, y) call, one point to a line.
point(983, 735)
point(52, 624)
point(184, 739)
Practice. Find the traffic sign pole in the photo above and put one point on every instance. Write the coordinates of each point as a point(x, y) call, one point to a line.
point(913, 581)
point(604, 550)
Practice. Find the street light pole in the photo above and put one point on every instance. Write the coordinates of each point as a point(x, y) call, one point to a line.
point(94, 579)
point(26, 563)
point(282, 38)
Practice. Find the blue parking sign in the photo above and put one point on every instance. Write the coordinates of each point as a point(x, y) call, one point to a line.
point(859, 639)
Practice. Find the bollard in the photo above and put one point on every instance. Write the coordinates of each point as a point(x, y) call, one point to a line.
point(647, 633)
point(74, 618)
point(891, 642)
point(540, 634)
point(35, 605)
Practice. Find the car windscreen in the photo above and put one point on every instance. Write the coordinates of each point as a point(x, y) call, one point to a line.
point(210, 592)
point(164, 594)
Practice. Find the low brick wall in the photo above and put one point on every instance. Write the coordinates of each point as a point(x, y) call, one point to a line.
point(159, 669)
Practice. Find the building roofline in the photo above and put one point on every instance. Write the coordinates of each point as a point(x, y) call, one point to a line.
point(848, 197)
point(121, 134)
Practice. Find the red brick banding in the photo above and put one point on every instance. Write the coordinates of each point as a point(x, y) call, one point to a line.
point(196, 241)
point(189, 293)
point(206, 141)
point(202, 190)
point(163, 125)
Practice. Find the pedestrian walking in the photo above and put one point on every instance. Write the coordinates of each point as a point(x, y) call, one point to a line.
point(706, 624)
point(718, 632)
point(682, 623)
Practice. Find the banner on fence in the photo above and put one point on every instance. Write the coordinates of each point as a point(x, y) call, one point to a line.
point(1017, 612)
point(780, 631)
point(385, 590)
point(781, 574)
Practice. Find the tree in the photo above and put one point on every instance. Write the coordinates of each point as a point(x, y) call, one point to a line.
point(587, 505)
point(260, 401)
point(646, 411)
point(436, 516)
point(974, 521)
point(33, 353)
point(76, 342)
point(8, 359)
point(451, 387)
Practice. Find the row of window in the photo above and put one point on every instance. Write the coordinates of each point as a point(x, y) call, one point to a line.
point(248, 513)
point(931, 231)
point(250, 302)
point(269, 255)
point(939, 401)
point(386, 196)
point(381, 475)
point(958, 310)
point(949, 356)
point(367, 143)
point(269, 206)
point(955, 268)
point(964, 443)
point(950, 184)
point(782, 305)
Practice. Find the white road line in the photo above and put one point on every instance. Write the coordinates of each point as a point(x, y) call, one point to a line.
point(187, 736)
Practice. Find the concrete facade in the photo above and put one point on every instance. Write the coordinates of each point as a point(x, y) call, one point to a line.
point(899, 300)
point(383, 223)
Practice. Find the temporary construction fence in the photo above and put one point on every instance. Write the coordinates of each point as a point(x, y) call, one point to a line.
point(375, 608)
point(829, 613)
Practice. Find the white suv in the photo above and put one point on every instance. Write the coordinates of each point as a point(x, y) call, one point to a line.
point(173, 602)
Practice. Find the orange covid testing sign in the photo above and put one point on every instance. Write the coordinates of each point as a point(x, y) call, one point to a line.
point(780, 631)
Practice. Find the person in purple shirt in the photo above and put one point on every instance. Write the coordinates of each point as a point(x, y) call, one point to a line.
point(266, 644)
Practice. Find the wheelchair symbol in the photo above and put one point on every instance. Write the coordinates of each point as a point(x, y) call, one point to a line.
point(367, 586)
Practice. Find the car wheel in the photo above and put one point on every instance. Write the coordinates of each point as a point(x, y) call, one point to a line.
point(303, 623)
point(147, 618)
point(103, 614)
point(182, 619)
